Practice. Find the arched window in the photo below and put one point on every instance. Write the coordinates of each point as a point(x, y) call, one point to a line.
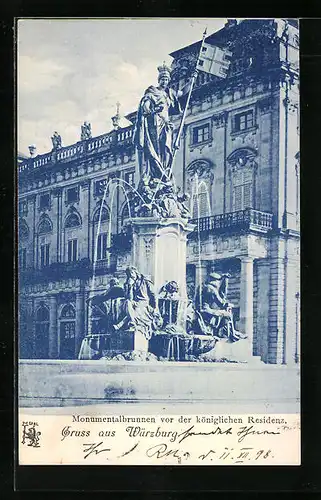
point(42, 332)
point(72, 220)
point(45, 226)
point(42, 314)
point(68, 311)
point(200, 178)
point(23, 230)
point(242, 169)
point(201, 201)
point(67, 332)
point(101, 214)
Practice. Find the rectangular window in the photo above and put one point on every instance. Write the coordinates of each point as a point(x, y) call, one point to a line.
point(201, 134)
point(72, 250)
point(23, 258)
point(242, 197)
point(100, 187)
point(73, 195)
point(243, 121)
point(102, 247)
point(238, 205)
point(44, 255)
point(130, 178)
point(44, 201)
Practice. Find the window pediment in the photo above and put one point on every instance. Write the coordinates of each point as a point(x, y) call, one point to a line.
point(45, 225)
point(242, 158)
point(203, 169)
point(23, 230)
point(73, 219)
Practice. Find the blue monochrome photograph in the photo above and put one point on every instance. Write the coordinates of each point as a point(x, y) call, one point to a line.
point(158, 218)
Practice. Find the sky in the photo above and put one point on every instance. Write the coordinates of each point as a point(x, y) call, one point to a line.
point(72, 70)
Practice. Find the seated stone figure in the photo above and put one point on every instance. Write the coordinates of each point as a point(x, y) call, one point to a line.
point(214, 313)
point(109, 305)
point(139, 306)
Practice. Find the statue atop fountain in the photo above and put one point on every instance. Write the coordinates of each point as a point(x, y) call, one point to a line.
point(151, 310)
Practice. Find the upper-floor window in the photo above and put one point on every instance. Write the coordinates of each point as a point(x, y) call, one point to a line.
point(72, 195)
point(100, 187)
point(102, 246)
point(23, 208)
point(23, 230)
point(242, 196)
point(201, 202)
point(72, 250)
point(44, 201)
point(130, 178)
point(23, 258)
point(45, 226)
point(201, 133)
point(101, 215)
point(243, 121)
point(44, 255)
point(73, 220)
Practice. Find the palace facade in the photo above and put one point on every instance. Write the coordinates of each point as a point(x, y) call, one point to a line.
point(239, 162)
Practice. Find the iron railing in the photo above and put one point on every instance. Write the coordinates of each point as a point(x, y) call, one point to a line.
point(242, 220)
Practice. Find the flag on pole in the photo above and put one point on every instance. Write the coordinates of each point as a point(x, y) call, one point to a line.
point(214, 60)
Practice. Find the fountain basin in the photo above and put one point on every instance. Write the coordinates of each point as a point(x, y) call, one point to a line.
point(56, 383)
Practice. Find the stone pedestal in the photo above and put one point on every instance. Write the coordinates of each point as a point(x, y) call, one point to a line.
point(159, 252)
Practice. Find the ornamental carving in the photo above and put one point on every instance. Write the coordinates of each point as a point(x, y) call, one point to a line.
point(148, 242)
point(242, 158)
point(219, 120)
point(203, 169)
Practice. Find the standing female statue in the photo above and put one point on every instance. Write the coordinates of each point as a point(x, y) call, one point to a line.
point(153, 136)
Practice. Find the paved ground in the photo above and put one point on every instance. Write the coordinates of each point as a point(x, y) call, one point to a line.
point(134, 387)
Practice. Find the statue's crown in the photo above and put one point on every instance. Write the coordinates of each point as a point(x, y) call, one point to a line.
point(164, 71)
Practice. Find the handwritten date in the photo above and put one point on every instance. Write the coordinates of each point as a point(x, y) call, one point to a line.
point(163, 450)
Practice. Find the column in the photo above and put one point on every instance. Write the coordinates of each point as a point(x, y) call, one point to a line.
point(80, 323)
point(53, 331)
point(246, 300)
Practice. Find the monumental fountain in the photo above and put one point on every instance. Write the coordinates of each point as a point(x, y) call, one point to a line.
point(150, 316)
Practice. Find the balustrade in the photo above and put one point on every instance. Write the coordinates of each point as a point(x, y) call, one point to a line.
point(240, 220)
point(122, 136)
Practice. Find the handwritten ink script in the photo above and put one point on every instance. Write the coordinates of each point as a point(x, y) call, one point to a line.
point(168, 440)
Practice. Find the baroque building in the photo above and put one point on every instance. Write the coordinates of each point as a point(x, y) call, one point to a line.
point(238, 160)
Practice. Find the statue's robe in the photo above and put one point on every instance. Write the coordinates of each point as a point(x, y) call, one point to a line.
point(140, 304)
point(109, 306)
point(214, 313)
point(153, 136)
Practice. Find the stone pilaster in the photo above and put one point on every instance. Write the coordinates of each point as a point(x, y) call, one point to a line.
point(85, 189)
point(57, 193)
point(246, 300)
point(277, 301)
point(53, 327)
point(80, 321)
